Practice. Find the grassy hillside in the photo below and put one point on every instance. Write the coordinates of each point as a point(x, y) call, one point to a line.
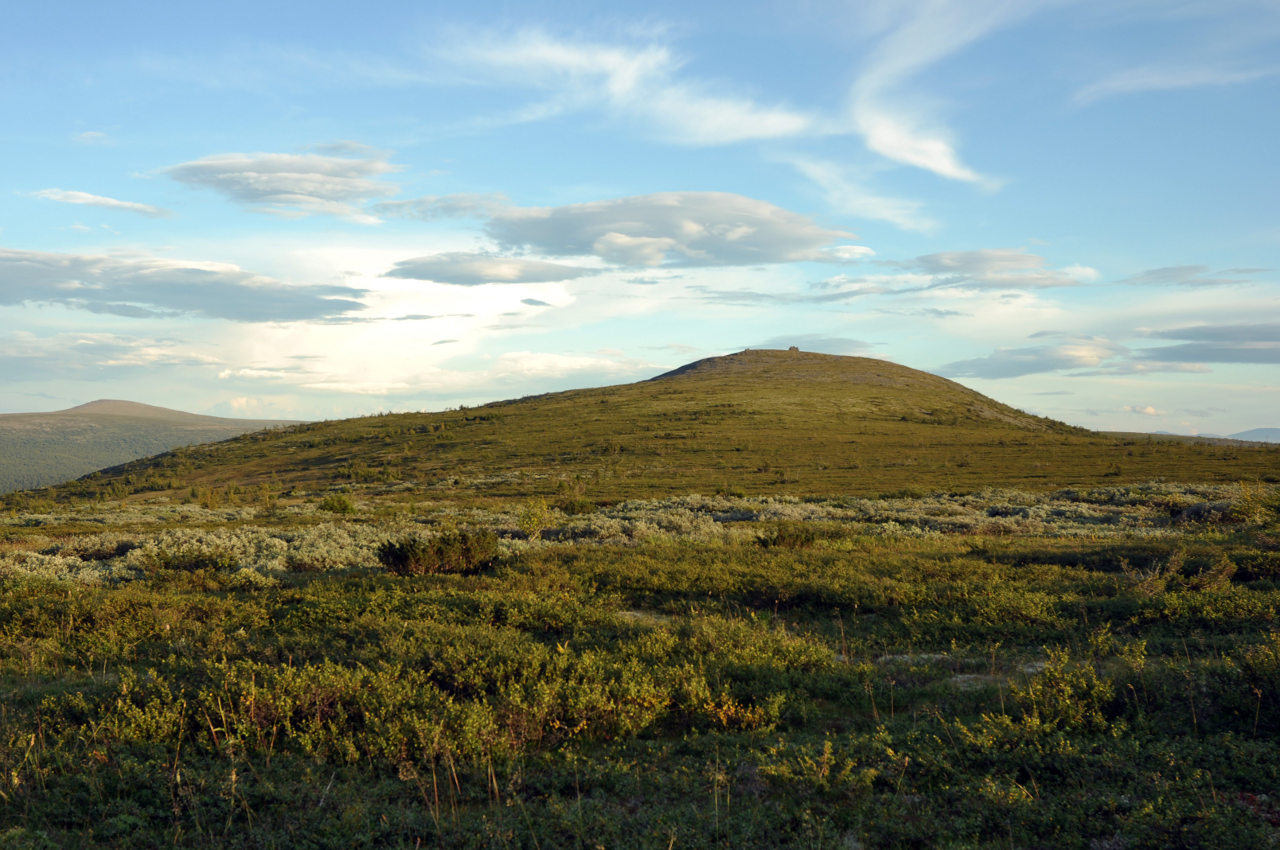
point(38, 449)
point(767, 600)
point(754, 422)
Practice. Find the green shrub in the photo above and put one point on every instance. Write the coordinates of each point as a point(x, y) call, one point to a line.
point(576, 505)
point(1065, 695)
point(462, 551)
point(337, 503)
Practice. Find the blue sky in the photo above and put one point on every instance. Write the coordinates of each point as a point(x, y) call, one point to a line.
point(321, 210)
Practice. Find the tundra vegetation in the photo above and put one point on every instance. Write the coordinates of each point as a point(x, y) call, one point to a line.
point(583, 658)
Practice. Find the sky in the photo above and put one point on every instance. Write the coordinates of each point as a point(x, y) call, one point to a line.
point(319, 210)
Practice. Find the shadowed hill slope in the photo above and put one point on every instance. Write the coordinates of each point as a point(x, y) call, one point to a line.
point(38, 449)
point(753, 422)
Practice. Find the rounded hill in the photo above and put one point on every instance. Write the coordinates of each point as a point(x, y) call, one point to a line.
point(873, 388)
point(753, 422)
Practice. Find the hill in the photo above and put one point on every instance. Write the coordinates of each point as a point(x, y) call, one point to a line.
point(1265, 435)
point(754, 422)
point(38, 449)
point(376, 632)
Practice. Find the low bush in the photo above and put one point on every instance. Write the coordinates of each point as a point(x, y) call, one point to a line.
point(337, 503)
point(576, 505)
point(462, 551)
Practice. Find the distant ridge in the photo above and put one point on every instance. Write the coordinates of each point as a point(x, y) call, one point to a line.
point(137, 410)
point(38, 449)
point(1262, 435)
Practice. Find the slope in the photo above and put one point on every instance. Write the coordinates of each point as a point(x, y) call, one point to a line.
point(38, 449)
point(754, 422)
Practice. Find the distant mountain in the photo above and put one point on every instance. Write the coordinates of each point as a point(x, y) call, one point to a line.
point(37, 449)
point(1261, 435)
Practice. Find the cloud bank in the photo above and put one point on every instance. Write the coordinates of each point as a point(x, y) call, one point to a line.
point(149, 287)
point(668, 229)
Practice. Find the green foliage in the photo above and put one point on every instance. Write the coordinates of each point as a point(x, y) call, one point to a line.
point(534, 517)
point(1078, 667)
point(575, 506)
point(1065, 695)
point(461, 551)
point(337, 503)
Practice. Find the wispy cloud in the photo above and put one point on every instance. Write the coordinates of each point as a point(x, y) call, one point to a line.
point(436, 207)
point(1191, 45)
point(71, 197)
point(1217, 352)
point(474, 268)
point(91, 137)
point(1267, 332)
point(1169, 78)
point(1192, 276)
point(336, 182)
point(998, 268)
point(89, 356)
point(1257, 344)
point(897, 122)
point(847, 194)
point(642, 83)
point(1078, 353)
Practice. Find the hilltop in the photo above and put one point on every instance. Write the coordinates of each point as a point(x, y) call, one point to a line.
point(38, 449)
point(753, 422)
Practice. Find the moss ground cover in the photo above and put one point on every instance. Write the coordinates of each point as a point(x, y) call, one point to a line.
point(1087, 667)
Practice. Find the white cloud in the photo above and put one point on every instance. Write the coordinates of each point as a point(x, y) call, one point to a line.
point(1078, 353)
point(1228, 43)
point(296, 184)
point(471, 269)
point(668, 229)
point(846, 194)
point(70, 197)
point(1168, 78)
point(31, 357)
point(1092, 356)
point(996, 269)
point(1145, 410)
point(151, 287)
point(898, 124)
point(519, 365)
point(849, 253)
point(92, 137)
point(633, 82)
